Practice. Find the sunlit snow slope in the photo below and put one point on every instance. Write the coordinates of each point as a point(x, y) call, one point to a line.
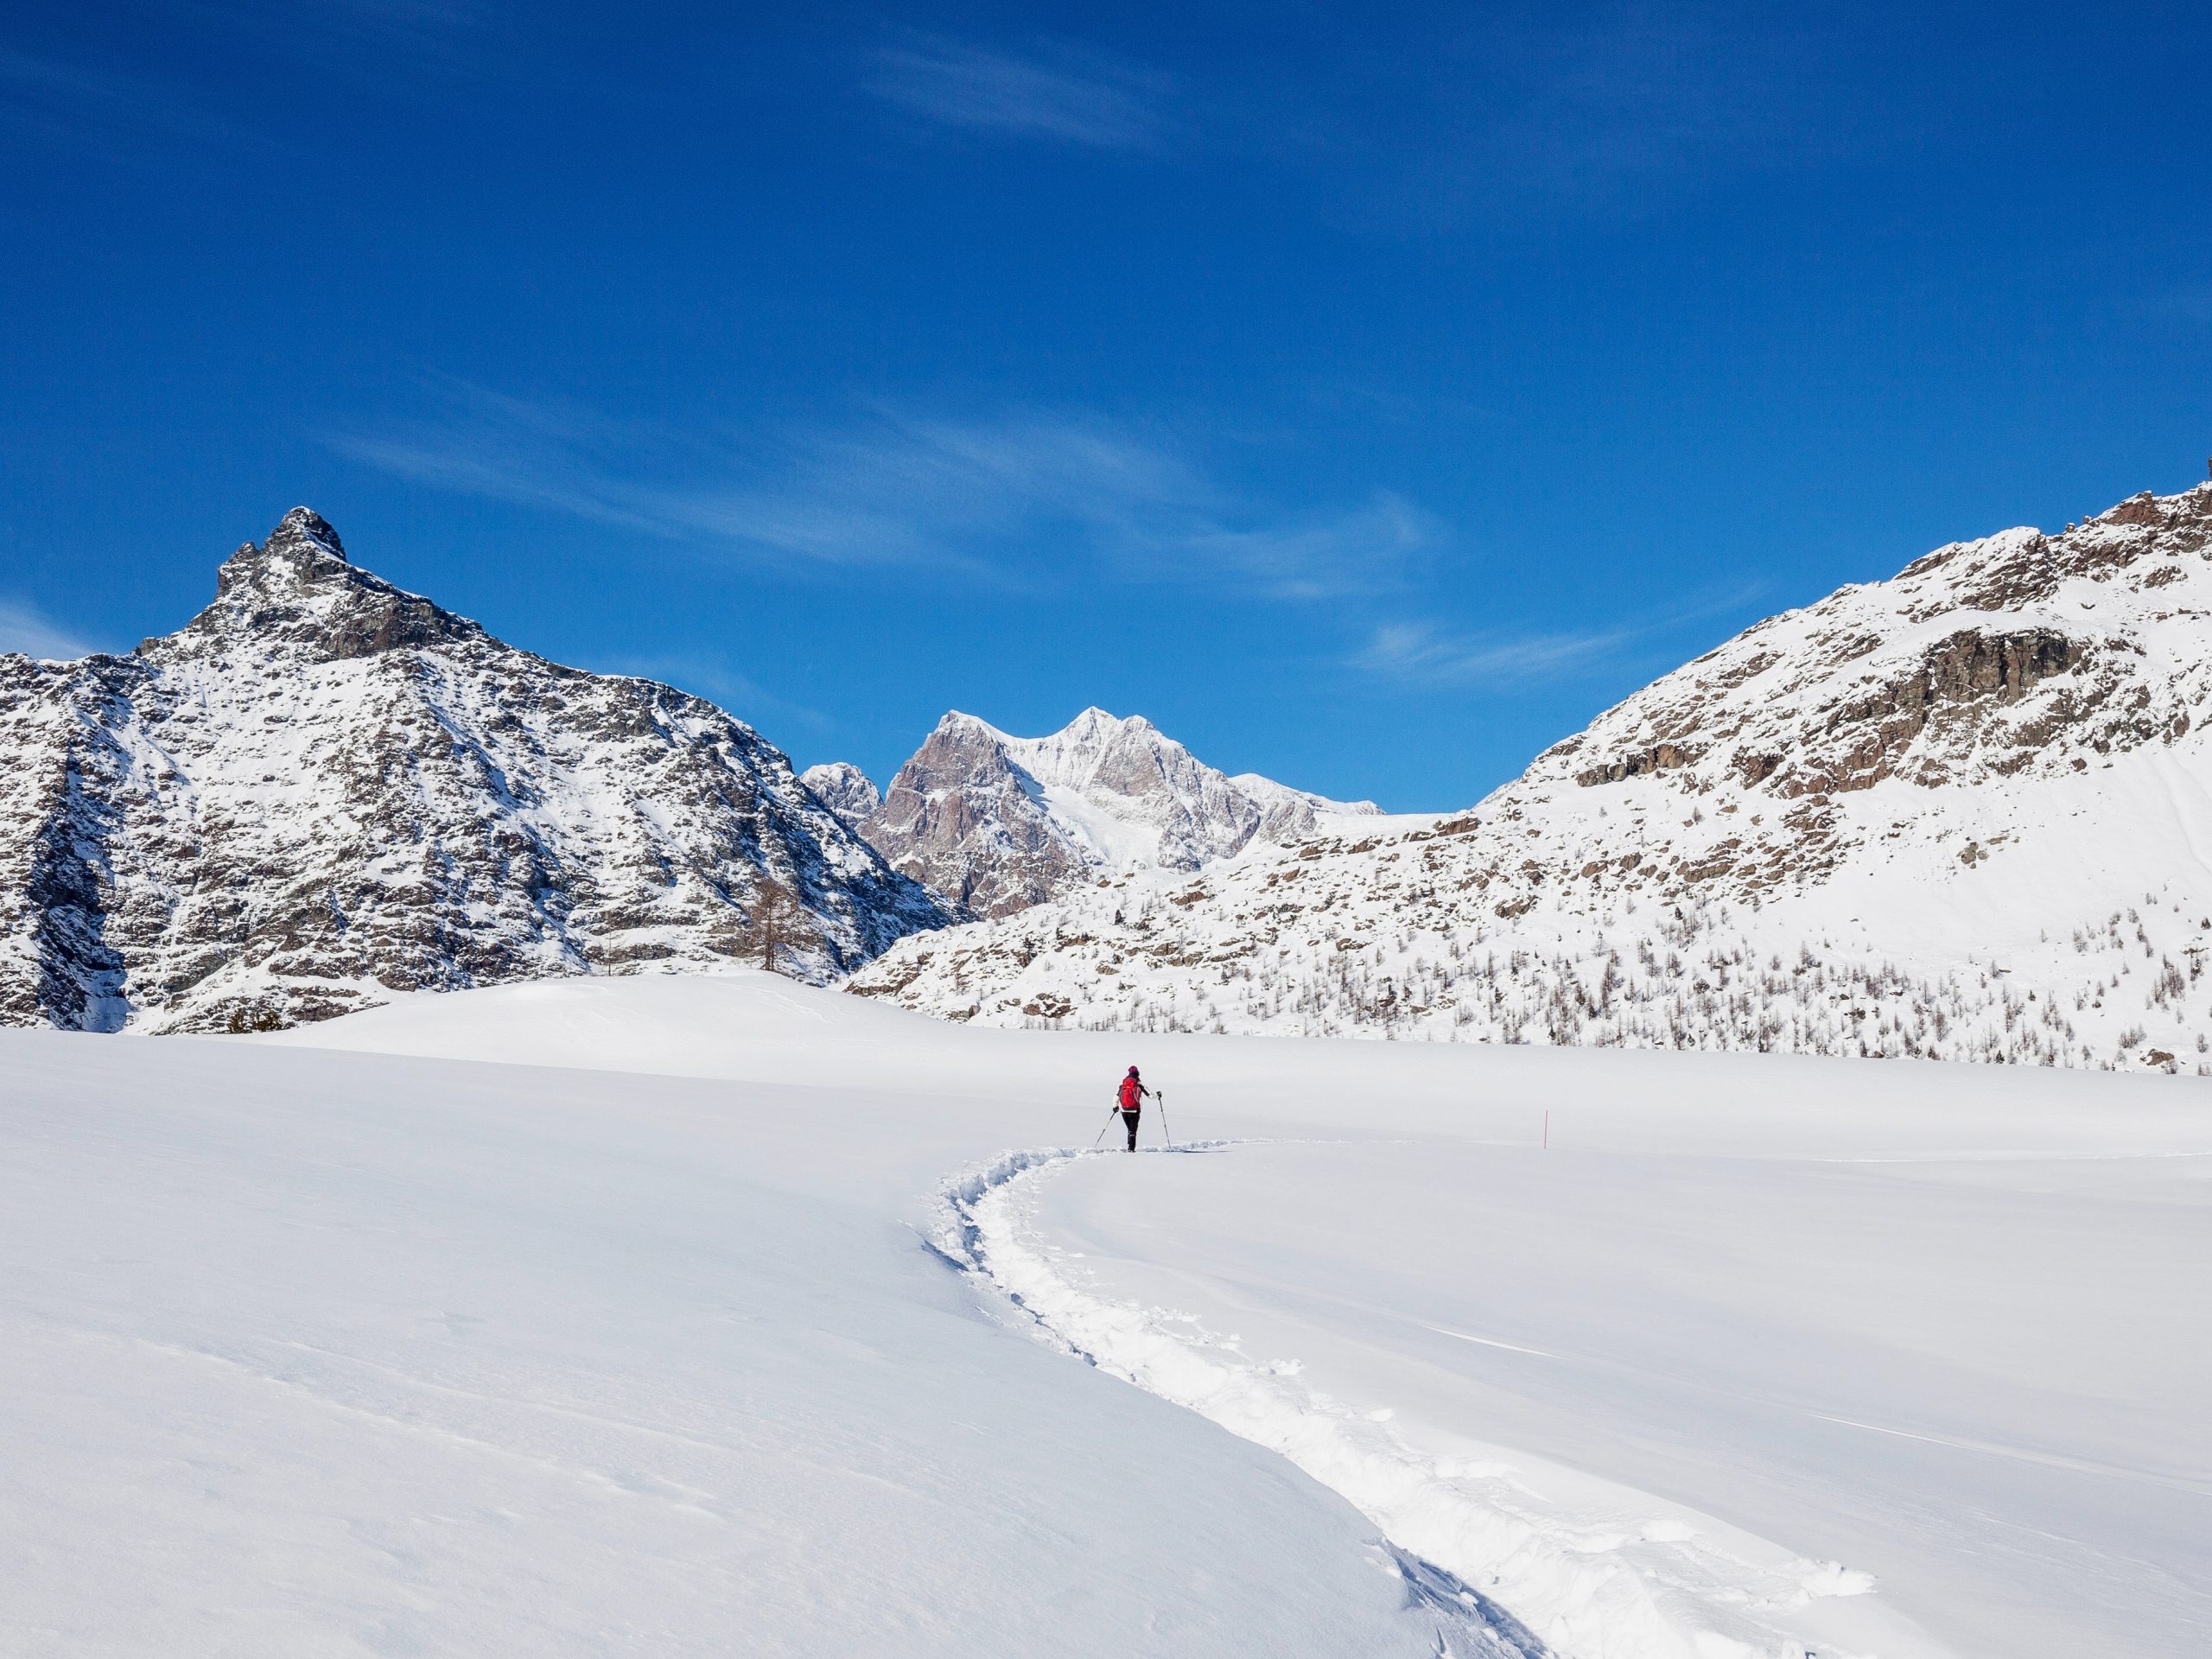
point(317, 1353)
point(1761, 1356)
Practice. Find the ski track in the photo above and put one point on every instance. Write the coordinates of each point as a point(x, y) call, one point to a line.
point(1591, 1584)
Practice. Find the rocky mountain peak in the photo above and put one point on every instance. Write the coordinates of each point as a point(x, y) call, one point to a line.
point(997, 823)
point(325, 789)
point(1096, 725)
point(2024, 566)
point(960, 747)
point(845, 790)
point(304, 533)
point(298, 590)
point(2021, 653)
point(302, 543)
point(963, 728)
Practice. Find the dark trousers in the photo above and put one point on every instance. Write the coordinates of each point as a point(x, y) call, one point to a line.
point(1129, 1117)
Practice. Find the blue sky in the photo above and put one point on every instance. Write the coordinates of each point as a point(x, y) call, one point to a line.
point(1368, 394)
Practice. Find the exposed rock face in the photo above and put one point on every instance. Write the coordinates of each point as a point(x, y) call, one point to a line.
point(845, 790)
point(997, 824)
point(960, 817)
point(1960, 813)
point(323, 789)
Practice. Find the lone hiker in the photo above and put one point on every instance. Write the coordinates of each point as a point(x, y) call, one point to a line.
point(1133, 1094)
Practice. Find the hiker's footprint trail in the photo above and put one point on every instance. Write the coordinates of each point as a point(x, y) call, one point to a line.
point(1510, 1572)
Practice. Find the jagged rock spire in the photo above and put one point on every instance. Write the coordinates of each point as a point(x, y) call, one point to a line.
point(304, 531)
point(845, 790)
point(298, 588)
point(301, 548)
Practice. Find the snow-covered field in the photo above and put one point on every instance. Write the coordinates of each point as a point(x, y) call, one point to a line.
point(683, 1315)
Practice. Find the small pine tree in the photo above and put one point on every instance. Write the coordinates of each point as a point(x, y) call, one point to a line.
point(779, 922)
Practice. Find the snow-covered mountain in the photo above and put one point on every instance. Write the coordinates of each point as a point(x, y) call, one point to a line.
point(996, 823)
point(323, 789)
point(845, 790)
point(1965, 813)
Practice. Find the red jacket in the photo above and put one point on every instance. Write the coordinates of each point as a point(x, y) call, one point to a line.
point(1132, 1092)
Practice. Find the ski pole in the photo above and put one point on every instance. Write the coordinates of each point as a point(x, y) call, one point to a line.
point(1160, 1094)
point(1107, 1125)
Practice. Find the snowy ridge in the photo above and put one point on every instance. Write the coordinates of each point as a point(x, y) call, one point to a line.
point(997, 823)
point(1556, 1582)
point(324, 790)
point(1964, 814)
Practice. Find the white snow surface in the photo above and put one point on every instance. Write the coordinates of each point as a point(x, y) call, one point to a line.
point(718, 1314)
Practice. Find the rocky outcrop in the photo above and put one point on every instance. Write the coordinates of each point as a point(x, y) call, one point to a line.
point(1660, 757)
point(996, 823)
point(323, 789)
point(962, 818)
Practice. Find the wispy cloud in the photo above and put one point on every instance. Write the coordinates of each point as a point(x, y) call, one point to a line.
point(89, 107)
point(440, 17)
point(538, 454)
point(1024, 499)
point(1353, 549)
point(1420, 653)
point(1061, 93)
point(1613, 108)
point(1417, 651)
point(25, 628)
point(1639, 91)
point(738, 694)
point(390, 45)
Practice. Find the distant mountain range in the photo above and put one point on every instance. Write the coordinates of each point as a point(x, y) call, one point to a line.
point(995, 824)
point(1966, 813)
point(323, 789)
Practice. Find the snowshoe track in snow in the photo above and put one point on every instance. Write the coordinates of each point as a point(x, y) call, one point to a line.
point(1556, 1582)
